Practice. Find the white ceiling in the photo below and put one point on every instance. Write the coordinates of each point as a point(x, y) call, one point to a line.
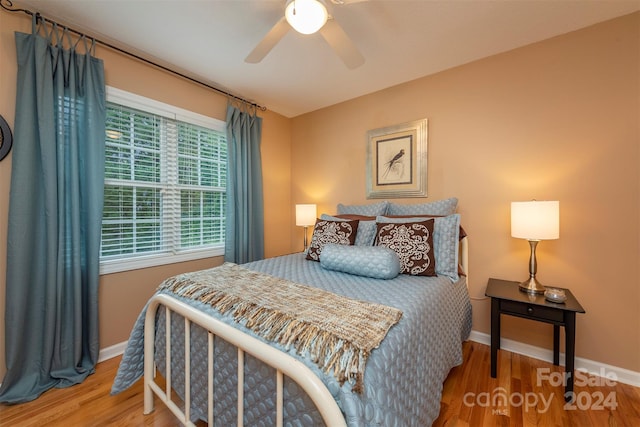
point(401, 40)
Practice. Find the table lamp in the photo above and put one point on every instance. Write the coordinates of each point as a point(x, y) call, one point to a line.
point(305, 216)
point(535, 221)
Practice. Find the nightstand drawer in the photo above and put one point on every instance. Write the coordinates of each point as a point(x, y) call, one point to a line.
point(532, 311)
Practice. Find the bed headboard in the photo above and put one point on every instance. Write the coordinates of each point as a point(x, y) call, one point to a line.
point(464, 256)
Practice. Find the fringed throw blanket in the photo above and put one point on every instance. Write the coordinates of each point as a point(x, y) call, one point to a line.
point(337, 332)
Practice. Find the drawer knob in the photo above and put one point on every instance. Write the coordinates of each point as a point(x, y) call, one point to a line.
point(529, 310)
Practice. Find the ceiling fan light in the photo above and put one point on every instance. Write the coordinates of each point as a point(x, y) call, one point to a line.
point(306, 16)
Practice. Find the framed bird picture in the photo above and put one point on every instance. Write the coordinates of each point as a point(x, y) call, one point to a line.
point(397, 161)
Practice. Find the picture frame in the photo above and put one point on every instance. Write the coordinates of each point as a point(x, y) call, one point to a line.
point(397, 161)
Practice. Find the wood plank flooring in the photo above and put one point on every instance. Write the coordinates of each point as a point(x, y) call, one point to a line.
point(528, 392)
point(470, 398)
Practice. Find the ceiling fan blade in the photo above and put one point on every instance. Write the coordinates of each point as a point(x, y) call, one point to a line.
point(342, 44)
point(275, 34)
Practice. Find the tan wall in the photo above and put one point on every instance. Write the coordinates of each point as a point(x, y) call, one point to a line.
point(276, 161)
point(557, 120)
point(122, 295)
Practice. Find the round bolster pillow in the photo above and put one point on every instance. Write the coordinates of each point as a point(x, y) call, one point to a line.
point(370, 261)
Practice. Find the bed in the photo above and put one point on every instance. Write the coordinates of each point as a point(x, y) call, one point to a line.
point(402, 375)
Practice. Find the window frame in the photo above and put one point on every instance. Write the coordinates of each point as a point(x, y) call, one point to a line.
point(131, 100)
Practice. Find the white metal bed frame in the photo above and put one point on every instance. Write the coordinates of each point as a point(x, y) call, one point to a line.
point(283, 363)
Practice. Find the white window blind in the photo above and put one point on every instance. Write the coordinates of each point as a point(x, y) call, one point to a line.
point(165, 179)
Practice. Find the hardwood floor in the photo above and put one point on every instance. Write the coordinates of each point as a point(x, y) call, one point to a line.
point(528, 392)
point(88, 404)
point(468, 399)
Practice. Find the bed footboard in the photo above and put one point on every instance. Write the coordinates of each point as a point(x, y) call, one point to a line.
point(283, 364)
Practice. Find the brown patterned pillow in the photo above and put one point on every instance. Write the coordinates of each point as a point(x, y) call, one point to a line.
point(355, 216)
point(413, 242)
point(463, 233)
point(339, 232)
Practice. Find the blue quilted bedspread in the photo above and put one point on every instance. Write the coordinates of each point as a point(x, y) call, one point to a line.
point(403, 377)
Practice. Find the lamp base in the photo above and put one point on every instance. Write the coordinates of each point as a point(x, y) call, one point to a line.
point(306, 243)
point(532, 286)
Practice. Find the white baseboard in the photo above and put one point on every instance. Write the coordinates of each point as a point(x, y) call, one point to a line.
point(111, 352)
point(622, 375)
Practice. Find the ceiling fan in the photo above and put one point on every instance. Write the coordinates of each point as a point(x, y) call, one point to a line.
point(308, 17)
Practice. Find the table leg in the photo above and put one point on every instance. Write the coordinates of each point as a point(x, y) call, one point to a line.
point(556, 345)
point(570, 348)
point(495, 335)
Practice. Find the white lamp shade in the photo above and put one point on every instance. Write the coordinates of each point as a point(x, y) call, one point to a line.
point(535, 220)
point(305, 215)
point(306, 16)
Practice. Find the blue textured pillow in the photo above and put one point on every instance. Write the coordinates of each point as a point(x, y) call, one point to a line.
point(439, 207)
point(366, 233)
point(370, 261)
point(374, 209)
point(446, 233)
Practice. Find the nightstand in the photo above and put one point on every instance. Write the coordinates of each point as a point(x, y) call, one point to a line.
point(507, 298)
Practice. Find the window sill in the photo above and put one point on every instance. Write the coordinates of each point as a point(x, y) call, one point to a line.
point(135, 263)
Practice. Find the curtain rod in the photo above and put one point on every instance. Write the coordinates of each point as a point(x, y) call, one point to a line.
point(9, 8)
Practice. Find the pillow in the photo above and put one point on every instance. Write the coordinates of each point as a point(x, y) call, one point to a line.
point(369, 261)
point(341, 232)
point(439, 207)
point(461, 236)
point(356, 216)
point(412, 242)
point(446, 233)
point(366, 232)
point(372, 209)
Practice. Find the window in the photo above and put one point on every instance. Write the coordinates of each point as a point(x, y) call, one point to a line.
point(165, 179)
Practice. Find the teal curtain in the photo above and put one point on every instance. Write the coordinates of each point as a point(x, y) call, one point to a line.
point(244, 237)
point(55, 215)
